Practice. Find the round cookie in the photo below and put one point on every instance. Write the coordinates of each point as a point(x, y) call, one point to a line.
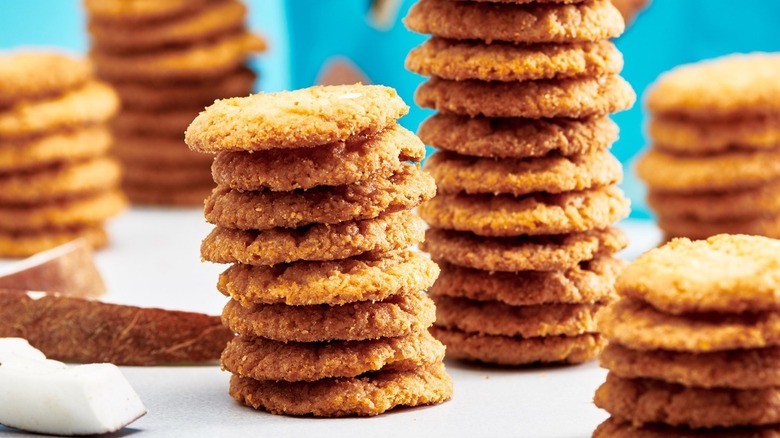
point(513, 351)
point(363, 396)
point(639, 326)
point(588, 282)
point(262, 210)
point(614, 428)
point(26, 76)
point(64, 214)
point(333, 164)
point(369, 277)
point(165, 152)
point(573, 98)
point(397, 315)
point(552, 174)
point(169, 123)
point(293, 119)
point(740, 369)
point(459, 60)
point(262, 359)
point(534, 214)
point(140, 10)
point(532, 23)
point(186, 196)
point(676, 135)
point(696, 229)
point(25, 244)
point(651, 401)
point(517, 138)
point(718, 206)
point(535, 253)
point(81, 144)
point(167, 176)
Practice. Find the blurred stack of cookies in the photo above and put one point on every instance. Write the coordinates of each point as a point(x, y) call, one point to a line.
point(56, 181)
point(521, 224)
point(694, 344)
point(714, 163)
point(168, 60)
point(312, 207)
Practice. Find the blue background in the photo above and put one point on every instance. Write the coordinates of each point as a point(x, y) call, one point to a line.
point(304, 33)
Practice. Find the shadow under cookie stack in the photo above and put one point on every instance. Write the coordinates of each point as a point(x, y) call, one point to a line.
point(714, 163)
point(521, 224)
point(56, 181)
point(313, 209)
point(694, 345)
point(168, 60)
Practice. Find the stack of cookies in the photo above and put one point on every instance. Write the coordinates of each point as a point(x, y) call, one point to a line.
point(167, 60)
point(521, 226)
point(56, 181)
point(714, 164)
point(312, 207)
point(694, 344)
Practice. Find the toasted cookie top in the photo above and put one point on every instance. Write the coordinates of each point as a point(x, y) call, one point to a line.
point(291, 119)
point(36, 75)
point(725, 273)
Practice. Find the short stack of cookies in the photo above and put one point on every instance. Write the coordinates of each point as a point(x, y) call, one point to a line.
point(521, 224)
point(168, 60)
point(56, 181)
point(714, 163)
point(694, 342)
point(313, 209)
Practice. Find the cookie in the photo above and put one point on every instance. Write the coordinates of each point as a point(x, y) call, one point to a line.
point(677, 135)
point(166, 176)
point(316, 242)
point(25, 244)
point(516, 176)
point(334, 164)
point(629, 9)
point(160, 151)
point(534, 214)
point(588, 282)
point(459, 60)
point(367, 395)
point(262, 210)
point(69, 146)
point(732, 87)
point(186, 196)
point(696, 229)
point(527, 253)
point(740, 369)
point(294, 119)
point(93, 103)
point(718, 206)
point(517, 138)
point(397, 315)
point(59, 181)
point(26, 76)
point(370, 277)
point(165, 123)
point(64, 214)
point(651, 401)
point(727, 171)
point(574, 98)
point(615, 428)
point(639, 326)
point(729, 274)
point(532, 23)
point(140, 10)
point(262, 359)
point(513, 351)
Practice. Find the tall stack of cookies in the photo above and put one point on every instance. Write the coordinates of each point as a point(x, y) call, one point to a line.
point(312, 207)
point(521, 226)
point(714, 163)
point(56, 181)
point(694, 344)
point(168, 60)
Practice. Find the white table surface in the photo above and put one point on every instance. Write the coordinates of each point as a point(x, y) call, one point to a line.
point(154, 262)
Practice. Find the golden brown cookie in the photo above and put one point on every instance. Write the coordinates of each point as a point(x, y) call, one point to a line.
point(316, 242)
point(615, 428)
point(517, 138)
point(69, 146)
point(186, 196)
point(574, 98)
point(367, 395)
point(718, 206)
point(588, 282)
point(677, 135)
point(527, 253)
point(169, 123)
point(166, 175)
point(160, 151)
point(369, 277)
point(263, 359)
point(459, 60)
point(26, 76)
point(25, 244)
point(652, 401)
point(262, 210)
point(397, 315)
point(639, 326)
point(531, 23)
point(697, 229)
point(534, 214)
point(135, 10)
point(333, 164)
point(293, 119)
point(516, 176)
point(64, 214)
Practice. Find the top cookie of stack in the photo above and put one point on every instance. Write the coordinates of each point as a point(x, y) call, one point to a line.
point(167, 60)
point(56, 183)
point(714, 164)
point(526, 182)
